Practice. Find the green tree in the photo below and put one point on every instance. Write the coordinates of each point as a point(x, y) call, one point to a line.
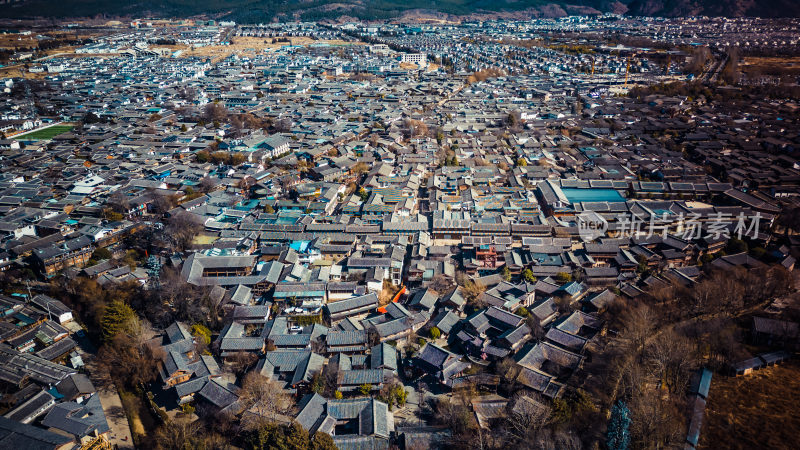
point(505, 273)
point(522, 162)
point(759, 252)
point(400, 394)
point(338, 395)
point(642, 267)
point(580, 401)
point(527, 275)
point(297, 437)
point(111, 215)
point(365, 389)
point(317, 383)
point(268, 436)
point(289, 437)
point(706, 258)
point(322, 441)
point(563, 277)
point(436, 333)
point(187, 409)
point(737, 246)
point(101, 253)
point(561, 411)
point(117, 318)
point(363, 194)
point(130, 258)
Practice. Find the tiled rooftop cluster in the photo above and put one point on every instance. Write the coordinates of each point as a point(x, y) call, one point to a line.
point(362, 194)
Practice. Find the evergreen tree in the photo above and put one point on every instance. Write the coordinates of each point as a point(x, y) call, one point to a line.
point(618, 435)
point(322, 441)
point(118, 317)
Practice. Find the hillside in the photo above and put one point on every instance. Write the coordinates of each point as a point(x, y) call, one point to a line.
point(251, 11)
point(267, 10)
point(727, 8)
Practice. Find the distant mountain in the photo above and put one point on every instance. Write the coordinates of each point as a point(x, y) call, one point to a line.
point(251, 11)
point(725, 8)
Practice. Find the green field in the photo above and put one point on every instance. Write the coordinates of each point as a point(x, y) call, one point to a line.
point(47, 133)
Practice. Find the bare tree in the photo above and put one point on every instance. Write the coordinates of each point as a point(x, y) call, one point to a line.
point(441, 284)
point(473, 291)
point(119, 202)
point(214, 112)
point(207, 185)
point(241, 361)
point(161, 204)
point(373, 337)
point(264, 399)
point(656, 420)
point(638, 325)
point(672, 356)
point(527, 416)
point(177, 433)
point(182, 229)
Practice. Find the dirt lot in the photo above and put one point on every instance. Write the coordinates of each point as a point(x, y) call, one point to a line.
point(19, 72)
point(249, 46)
point(13, 40)
point(754, 411)
point(770, 65)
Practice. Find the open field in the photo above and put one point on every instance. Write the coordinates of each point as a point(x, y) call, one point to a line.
point(249, 46)
point(13, 40)
point(20, 72)
point(754, 411)
point(203, 239)
point(47, 133)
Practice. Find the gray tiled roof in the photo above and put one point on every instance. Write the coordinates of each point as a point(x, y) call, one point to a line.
point(217, 394)
point(311, 407)
point(359, 377)
point(78, 419)
point(353, 304)
point(20, 436)
point(383, 356)
point(338, 338)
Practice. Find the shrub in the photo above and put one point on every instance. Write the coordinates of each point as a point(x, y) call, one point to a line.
point(202, 333)
point(563, 277)
point(101, 253)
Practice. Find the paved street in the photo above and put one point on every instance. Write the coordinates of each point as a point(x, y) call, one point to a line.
point(120, 433)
